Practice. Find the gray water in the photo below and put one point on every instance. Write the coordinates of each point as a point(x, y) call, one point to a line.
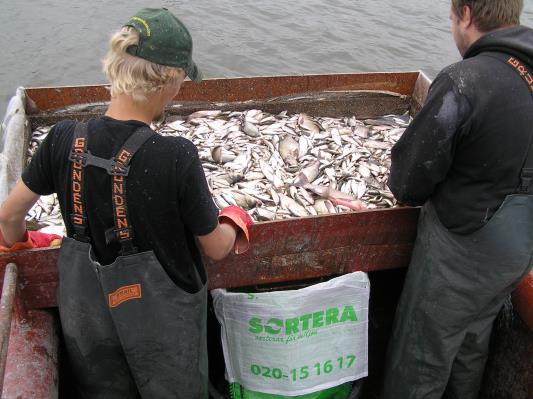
point(61, 42)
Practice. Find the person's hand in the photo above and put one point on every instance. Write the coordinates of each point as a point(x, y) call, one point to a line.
point(25, 243)
point(32, 239)
point(240, 219)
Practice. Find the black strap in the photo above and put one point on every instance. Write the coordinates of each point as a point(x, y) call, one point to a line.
point(118, 167)
point(88, 159)
point(78, 216)
point(123, 231)
point(524, 71)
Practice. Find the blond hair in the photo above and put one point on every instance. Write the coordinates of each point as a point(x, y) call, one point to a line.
point(135, 76)
point(489, 15)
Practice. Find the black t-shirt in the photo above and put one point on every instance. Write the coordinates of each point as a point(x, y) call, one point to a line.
point(167, 194)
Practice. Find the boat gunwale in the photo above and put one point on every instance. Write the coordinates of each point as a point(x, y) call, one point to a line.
point(234, 89)
point(261, 88)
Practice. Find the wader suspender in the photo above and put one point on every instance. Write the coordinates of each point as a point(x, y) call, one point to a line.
point(118, 167)
point(78, 218)
point(526, 176)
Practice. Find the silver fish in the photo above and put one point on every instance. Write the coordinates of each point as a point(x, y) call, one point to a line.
point(203, 114)
point(289, 150)
point(321, 164)
point(307, 123)
point(250, 129)
point(219, 155)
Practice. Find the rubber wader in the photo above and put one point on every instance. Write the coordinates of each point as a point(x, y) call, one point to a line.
point(454, 289)
point(130, 332)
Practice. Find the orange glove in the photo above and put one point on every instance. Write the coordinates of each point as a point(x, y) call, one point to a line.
point(240, 219)
point(43, 240)
point(32, 239)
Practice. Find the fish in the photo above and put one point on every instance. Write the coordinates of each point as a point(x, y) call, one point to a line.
point(364, 170)
point(250, 129)
point(308, 124)
point(336, 136)
point(329, 192)
point(320, 207)
point(264, 214)
point(203, 114)
point(361, 131)
point(244, 200)
point(219, 155)
point(303, 147)
point(292, 206)
point(279, 166)
point(177, 125)
point(289, 151)
point(308, 174)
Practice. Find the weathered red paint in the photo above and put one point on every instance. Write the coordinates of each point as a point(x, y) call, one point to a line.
point(31, 370)
point(286, 250)
point(237, 89)
point(38, 277)
point(9, 289)
point(307, 248)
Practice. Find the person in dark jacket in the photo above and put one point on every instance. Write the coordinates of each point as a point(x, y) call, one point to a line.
point(467, 159)
point(132, 293)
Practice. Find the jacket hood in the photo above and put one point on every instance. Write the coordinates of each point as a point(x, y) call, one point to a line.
point(516, 41)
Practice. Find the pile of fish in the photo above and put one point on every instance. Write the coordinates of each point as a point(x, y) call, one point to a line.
point(36, 139)
point(282, 166)
point(46, 216)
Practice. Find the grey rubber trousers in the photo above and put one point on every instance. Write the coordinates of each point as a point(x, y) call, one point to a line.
point(455, 287)
point(129, 331)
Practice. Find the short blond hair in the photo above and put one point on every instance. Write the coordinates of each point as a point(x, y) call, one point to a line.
point(135, 76)
point(489, 15)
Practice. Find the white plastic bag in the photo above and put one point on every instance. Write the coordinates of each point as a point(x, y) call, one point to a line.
point(14, 133)
point(299, 341)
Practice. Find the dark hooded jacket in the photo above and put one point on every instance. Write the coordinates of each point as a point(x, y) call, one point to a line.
point(465, 149)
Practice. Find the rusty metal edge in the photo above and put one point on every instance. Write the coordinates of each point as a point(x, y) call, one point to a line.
point(236, 88)
point(6, 312)
point(32, 359)
point(420, 91)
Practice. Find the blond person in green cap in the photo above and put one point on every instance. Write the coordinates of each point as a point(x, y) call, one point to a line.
point(132, 293)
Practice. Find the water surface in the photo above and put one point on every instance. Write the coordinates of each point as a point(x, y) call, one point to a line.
point(60, 42)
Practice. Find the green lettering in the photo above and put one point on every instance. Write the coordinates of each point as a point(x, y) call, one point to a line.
point(255, 326)
point(291, 326)
point(305, 321)
point(318, 319)
point(271, 330)
point(348, 314)
point(332, 316)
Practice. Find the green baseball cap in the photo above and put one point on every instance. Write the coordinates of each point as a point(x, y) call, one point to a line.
point(164, 40)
